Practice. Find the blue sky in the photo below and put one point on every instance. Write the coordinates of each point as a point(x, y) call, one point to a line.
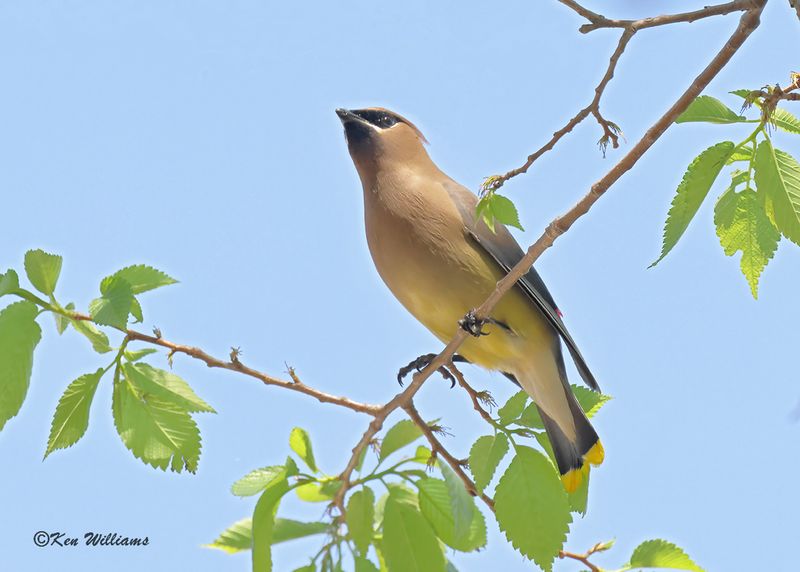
point(200, 137)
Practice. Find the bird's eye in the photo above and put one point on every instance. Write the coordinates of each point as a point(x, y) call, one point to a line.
point(387, 121)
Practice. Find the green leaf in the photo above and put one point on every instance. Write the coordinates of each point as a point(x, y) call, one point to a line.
point(785, 121)
point(287, 529)
point(740, 154)
point(43, 270)
point(493, 207)
point(313, 492)
point(590, 401)
point(143, 278)
point(363, 564)
point(462, 505)
point(300, 443)
point(532, 508)
point(306, 568)
point(62, 322)
point(155, 430)
point(239, 535)
point(742, 225)
point(694, 187)
point(360, 516)
point(513, 408)
point(136, 311)
point(661, 554)
point(136, 355)
point(778, 181)
point(401, 434)
point(114, 305)
point(409, 544)
point(166, 385)
point(530, 417)
point(72, 412)
point(8, 282)
point(257, 480)
point(235, 538)
point(422, 455)
point(485, 455)
point(435, 503)
point(709, 110)
point(97, 338)
point(19, 335)
point(264, 524)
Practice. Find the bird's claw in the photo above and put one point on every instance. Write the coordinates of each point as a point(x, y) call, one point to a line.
point(472, 324)
point(421, 363)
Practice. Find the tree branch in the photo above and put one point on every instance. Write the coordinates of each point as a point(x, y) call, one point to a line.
point(598, 21)
point(440, 451)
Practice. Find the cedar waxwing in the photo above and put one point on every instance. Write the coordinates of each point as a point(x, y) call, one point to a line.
point(440, 262)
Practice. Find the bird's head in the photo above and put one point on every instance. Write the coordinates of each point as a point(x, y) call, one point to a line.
point(376, 135)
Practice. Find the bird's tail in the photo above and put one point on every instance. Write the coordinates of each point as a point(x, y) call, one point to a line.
point(573, 455)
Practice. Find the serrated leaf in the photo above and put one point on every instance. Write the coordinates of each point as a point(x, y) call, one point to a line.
point(136, 355)
point(493, 207)
point(777, 176)
point(257, 480)
point(409, 543)
point(300, 443)
point(97, 338)
point(401, 434)
point(579, 498)
point(485, 456)
point(43, 270)
point(422, 455)
point(532, 508)
point(709, 110)
point(359, 517)
point(71, 418)
point(694, 187)
point(136, 311)
point(590, 401)
point(235, 538)
point(143, 278)
point(742, 225)
point(740, 154)
point(19, 336)
point(8, 282)
point(435, 503)
point(785, 121)
point(155, 430)
point(661, 554)
point(264, 524)
point(462, 504)
point(531, 418)
point(166, 385)
point(239, 536)
point(114, 304)
point(513, 408)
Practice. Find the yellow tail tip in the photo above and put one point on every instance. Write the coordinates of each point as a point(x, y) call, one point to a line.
point(596, 454)
point(572, 479)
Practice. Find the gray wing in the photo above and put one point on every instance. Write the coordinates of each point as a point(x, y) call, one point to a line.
point(505, 250)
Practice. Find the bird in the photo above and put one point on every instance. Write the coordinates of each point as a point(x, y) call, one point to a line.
point(441, 261)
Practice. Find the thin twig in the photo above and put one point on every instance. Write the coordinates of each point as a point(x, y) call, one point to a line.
point(473, 395)
point(440, 451)
point(610, 130)
point(598, 21)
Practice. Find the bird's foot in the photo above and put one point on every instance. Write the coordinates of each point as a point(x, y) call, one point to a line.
point(422, 362)
point(473, 325)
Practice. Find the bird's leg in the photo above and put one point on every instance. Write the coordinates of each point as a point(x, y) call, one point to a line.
point(473, 325)
point(423, 361)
